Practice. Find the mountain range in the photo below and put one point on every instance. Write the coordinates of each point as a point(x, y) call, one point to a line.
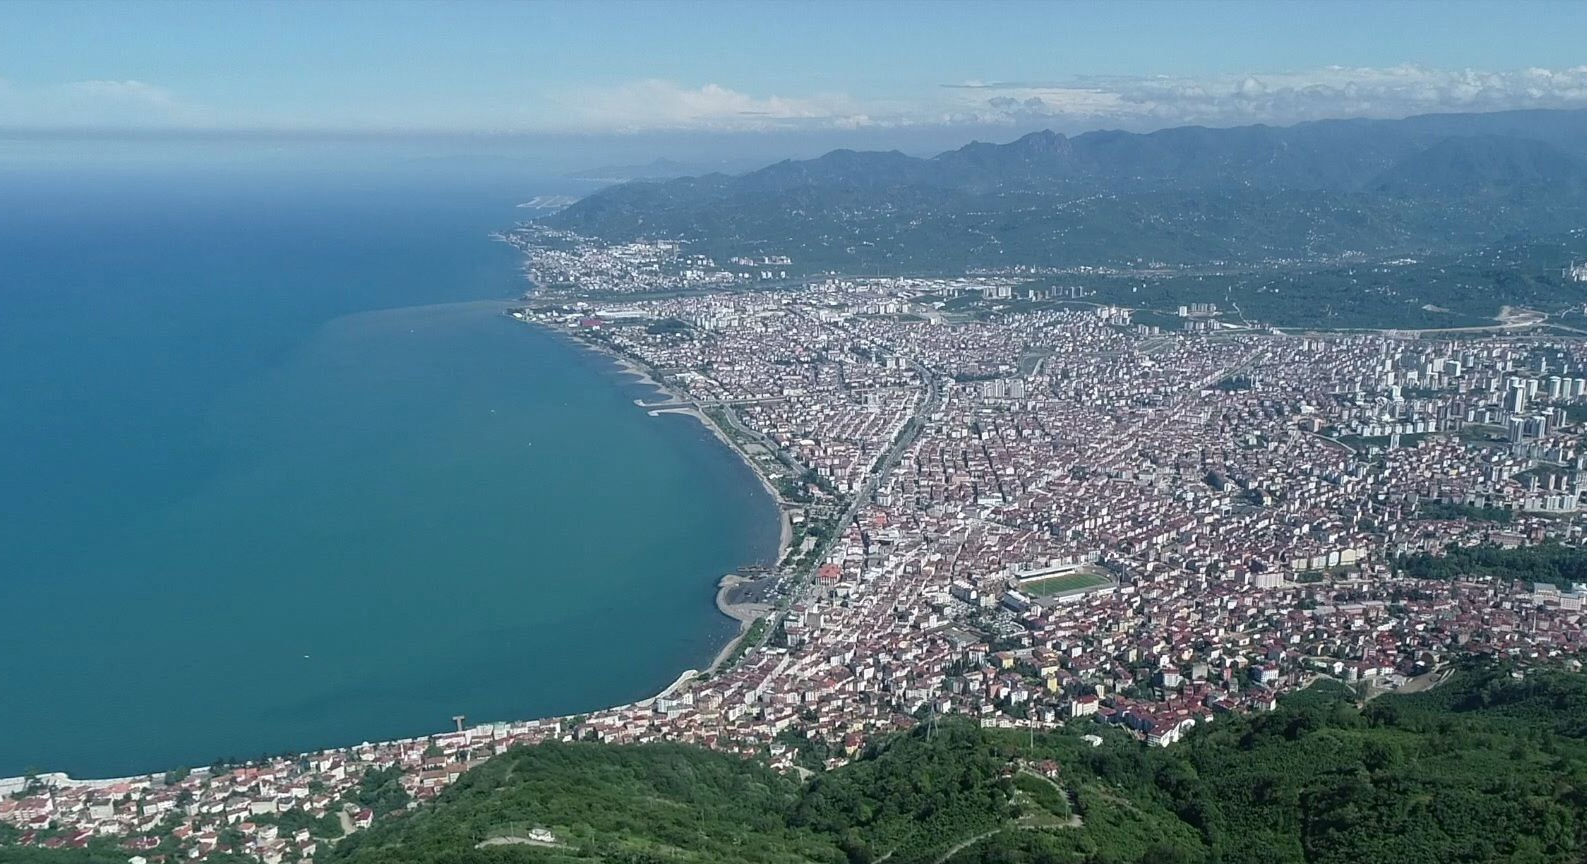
point(1318, 190)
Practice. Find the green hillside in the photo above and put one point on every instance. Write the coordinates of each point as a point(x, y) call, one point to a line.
point(1484, 769)
point(1445, 184)
point(604, 803)
point(1487, 767)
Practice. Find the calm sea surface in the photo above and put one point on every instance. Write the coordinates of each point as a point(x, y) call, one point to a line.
point(276, 474)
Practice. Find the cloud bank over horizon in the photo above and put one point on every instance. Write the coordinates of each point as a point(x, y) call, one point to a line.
point(1288, 97)
point(1138, 103)
point(91, 103)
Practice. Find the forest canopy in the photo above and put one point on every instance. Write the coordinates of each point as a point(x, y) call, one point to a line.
point(1490, 766)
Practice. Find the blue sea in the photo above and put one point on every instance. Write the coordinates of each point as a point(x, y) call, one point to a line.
point(277, 474)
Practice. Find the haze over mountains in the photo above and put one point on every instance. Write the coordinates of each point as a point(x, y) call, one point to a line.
point(1433, 183)
point(661, 169)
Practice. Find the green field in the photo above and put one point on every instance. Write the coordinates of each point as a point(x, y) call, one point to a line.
point(1062, 584)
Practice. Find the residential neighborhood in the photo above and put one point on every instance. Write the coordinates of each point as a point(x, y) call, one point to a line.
point(1032, 513)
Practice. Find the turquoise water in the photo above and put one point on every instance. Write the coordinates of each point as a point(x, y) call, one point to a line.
point(277, 474)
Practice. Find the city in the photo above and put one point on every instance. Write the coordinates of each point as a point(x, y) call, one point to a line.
point(1032, 512)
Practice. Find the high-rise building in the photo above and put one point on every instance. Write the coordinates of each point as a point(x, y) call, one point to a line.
point(1515, 397)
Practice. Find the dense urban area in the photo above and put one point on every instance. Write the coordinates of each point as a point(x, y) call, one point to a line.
point(1009, 504)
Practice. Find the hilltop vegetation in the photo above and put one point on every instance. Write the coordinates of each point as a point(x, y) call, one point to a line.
point(1427, 222)
point(1190, 195)
point(1552, 563)
point(619, 804)
point(1488, 767)
point(912, 796)
point(1480, 770)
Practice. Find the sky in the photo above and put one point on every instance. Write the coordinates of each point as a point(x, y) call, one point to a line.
point(784, 74)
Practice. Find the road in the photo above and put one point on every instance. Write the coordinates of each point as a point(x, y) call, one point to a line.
point(887, 462)
point(708, 403)
point(1334, 441)
point(1074, 822)
point(1129, 438)
point(753, 434)
point(964, 844)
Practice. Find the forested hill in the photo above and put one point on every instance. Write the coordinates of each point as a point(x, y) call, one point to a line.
point(1485, 768)
point(1436, 183)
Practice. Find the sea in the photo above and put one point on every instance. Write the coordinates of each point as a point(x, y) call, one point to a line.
point(278, 474)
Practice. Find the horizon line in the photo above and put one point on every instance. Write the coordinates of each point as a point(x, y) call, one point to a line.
point(352, 133)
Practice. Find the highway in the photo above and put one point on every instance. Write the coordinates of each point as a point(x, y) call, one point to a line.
point(888, 461)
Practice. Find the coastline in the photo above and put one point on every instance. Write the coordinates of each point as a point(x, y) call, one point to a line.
point(648, 376)
point(785, 540)
point(745, 614)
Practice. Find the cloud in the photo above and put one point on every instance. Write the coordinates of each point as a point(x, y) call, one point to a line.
point(1147, 102)
point(967, 107)
point(659, 105)
point(1284, 97)
point(101, 103)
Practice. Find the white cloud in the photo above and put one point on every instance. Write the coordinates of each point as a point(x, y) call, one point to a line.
point(102, 103)
point(1085, 103)
point(1136, 103)
point(1285, 97)
point(655, 104)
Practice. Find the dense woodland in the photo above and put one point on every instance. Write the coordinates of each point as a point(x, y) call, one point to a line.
point(618, 804)
point(1544, 562)
point(1489, 767)
point(1486, 768)
point(1426, 222)
point(1314, 191)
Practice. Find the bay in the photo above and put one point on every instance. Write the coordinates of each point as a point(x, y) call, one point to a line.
point(277, 474)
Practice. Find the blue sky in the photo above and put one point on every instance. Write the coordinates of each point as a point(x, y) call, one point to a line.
point(793, 68)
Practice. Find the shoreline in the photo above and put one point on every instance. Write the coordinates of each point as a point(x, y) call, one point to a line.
point(648, 376)
point(745, 614)
point(785, 539)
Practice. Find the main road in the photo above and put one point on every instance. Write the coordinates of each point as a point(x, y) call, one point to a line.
point(929, 405)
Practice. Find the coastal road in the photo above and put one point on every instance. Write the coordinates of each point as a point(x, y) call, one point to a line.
point(930, 404)
point(709, 403)
point(755, 434)
point(804, 580)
